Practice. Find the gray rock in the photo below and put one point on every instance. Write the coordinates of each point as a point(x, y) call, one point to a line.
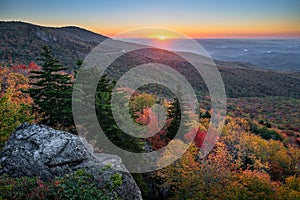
point(37, 150)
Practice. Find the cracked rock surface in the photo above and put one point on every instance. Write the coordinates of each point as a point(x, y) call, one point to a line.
point(38, 150)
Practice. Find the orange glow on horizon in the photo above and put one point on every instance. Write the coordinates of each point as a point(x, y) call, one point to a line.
point(221, 34)
point(234, 30)
point(262, 29)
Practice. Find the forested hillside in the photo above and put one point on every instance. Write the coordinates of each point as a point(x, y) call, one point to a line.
point(256, 156)
point(20, 43)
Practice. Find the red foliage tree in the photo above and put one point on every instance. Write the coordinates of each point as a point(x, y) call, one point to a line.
point(23, 69)
point(149, 119)
point(196, 135)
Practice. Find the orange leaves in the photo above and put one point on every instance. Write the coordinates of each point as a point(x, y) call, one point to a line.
point(13, 102)
point(23, 69)
point(149, 119)
point(15, 79)
point(158, 141)
point(240, 166)
point(145, 116)
point(15, 83)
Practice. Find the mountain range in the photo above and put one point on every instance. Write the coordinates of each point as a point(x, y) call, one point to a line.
point(282, 54)
point(22, 42)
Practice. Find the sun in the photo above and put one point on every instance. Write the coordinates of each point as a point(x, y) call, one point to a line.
point(162, 37)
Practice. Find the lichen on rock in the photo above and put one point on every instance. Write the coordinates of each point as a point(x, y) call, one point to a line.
point(38, 150)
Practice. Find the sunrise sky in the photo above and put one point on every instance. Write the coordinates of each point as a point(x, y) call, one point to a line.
point(195, 18)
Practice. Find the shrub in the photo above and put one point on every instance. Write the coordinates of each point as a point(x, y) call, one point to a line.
point(249, 185)
point(116, 181)
point(12, 115)
point(76, 186)
point(290, 190)
point(265, 132)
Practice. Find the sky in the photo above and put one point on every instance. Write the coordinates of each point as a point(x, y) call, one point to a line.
point(195, 18)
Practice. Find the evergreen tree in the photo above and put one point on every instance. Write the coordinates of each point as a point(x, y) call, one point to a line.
point(174, 113)
point(52, 91)
point(179, 113)
point(106, 118)
point(206, 115)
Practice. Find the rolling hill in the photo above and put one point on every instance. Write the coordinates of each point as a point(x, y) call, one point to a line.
point(21, 43)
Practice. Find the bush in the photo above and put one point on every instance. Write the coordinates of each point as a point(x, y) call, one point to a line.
point(265, 132)
point(290, 190)
point(250, 185)
point(76, 186)
point(12, 115)
point(268, 125)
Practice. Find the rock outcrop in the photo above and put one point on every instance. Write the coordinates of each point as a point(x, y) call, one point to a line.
point(37, 150)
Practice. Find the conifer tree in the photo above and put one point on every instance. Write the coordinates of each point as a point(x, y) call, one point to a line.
point(178, 112)
point(106, 119)
point(52, 91)
point(174, 113)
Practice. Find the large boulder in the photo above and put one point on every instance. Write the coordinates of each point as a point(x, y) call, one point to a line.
point(37, 150)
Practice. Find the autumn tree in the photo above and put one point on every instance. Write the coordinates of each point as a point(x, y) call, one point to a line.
point(12, 115)
point(290, 190)
point(190, 177)
point(14, 104)
point(159, 139)
point(142, 101)
point(15, 82)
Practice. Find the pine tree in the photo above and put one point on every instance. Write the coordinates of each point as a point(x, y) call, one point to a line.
point(174, 113)
point(206, 115)
point(179, 113)
point(106, 119)
point(52, 91)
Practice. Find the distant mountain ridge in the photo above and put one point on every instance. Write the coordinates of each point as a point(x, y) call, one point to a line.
point(22, 42)
point(281, 54)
